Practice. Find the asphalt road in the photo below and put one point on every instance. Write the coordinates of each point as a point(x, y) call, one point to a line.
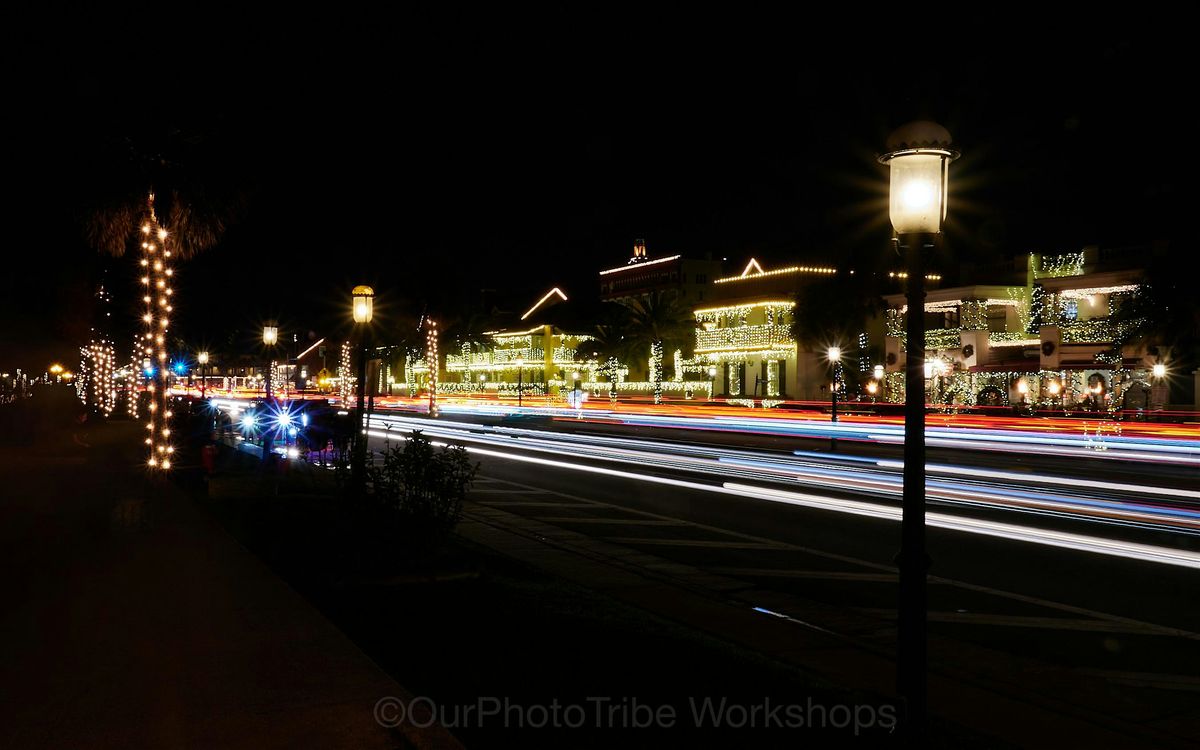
point(1112, 635)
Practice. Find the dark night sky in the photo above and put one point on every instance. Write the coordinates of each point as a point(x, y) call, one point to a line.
point(434, 161)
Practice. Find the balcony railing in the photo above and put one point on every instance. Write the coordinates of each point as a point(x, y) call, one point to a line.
point(743, 338)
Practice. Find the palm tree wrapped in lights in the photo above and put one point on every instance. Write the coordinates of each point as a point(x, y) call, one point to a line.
point(659, 321)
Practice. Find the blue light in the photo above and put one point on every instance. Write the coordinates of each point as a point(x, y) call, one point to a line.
point(304, 419)
point(285, 419)
point(150, 372)
point(180, 368)
point(248, 422)
point(291, 432)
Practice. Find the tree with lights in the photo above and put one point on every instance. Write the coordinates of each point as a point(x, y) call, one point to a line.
point(659, 321)
point(1163, 314)
point(835, 311)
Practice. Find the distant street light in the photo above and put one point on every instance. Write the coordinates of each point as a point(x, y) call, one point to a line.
point(520, 380)
point(1023, 389)
point(270, 337)
point(1159, 370)
point(712, 377)
point(835, 360)
point(202, 359)
point(363, 310)
point(919, 156)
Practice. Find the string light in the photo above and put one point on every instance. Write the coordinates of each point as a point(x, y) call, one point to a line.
point(755, 271)
point(155, 333)
point(346, 375)
point(431, 361)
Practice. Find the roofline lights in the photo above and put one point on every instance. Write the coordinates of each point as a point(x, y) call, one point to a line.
point(643, 264)
point(754, 271)
point(548, 295)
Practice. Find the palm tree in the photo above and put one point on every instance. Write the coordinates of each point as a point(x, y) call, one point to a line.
point(187, 171)
point(834, 310)
point(1164, 315)
point(659, 321)
point(608, 346)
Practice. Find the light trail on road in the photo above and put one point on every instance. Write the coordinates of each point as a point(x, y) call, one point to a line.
point(1031, 495)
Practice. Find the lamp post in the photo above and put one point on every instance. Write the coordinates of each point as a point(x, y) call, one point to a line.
point(1159, 395)
point(712, 380)
point(363, 309)
point(919, 156)
point(270, 338)
point(835, 360)
point(1023, 389)
point(202, 358)
point(520, 379)
point(482, 380)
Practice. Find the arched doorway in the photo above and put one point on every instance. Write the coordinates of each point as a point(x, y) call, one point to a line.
point(991, 396)
point(1095, 391)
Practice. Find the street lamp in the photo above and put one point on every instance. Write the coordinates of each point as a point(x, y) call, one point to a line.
point(1159, 370)
point(1023, 389)
point(270, 337)
point(363, 309)
point(482, 380)
point(835, 359)
point(202, 359)
point(919, 156)
point(520, 379)
point(712, 378)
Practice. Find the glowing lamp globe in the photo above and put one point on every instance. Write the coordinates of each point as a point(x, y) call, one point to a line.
point(919, 155)
point(202, 358)
point(834, 353)
point(270, 335)
point(1159, 370)
point(364, 303)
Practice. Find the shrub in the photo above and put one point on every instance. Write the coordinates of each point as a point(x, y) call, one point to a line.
point(421, 489)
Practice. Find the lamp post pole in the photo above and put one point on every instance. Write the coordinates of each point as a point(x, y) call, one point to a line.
point(270, 337)
point(712, 380)
point(362, 308)
point(202, 358)
point(520, 381)
point(835, 359)
point(918, 156)
point(834, 354)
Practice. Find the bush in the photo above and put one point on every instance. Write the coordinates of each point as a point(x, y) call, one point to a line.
point(421, 490)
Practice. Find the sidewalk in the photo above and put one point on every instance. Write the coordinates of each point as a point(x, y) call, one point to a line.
point(131, 619)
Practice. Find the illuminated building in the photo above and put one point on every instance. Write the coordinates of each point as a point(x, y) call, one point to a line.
point(745, 332)
point(641, 275)
point(539, 340)
point(1043, 339)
